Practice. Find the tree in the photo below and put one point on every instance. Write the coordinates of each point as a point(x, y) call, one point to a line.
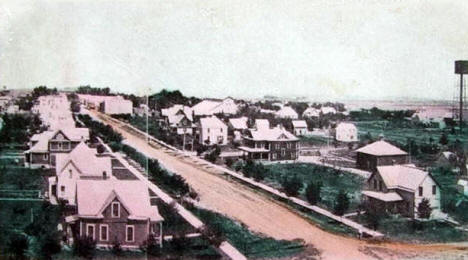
point(342, 203)
point(50, 245)
point(312, 192)
point(292, 185)
point(151, 246)
point(424, 209)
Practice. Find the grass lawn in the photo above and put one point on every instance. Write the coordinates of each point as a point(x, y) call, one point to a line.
point(250, 244)
point(332, 181)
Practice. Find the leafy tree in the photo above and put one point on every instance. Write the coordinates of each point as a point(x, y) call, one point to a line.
point(151, 246)
point(292, 185)
point(424, 209)
point(312, 192)
point(49, 245)
point(213, 155)
point(342, 203)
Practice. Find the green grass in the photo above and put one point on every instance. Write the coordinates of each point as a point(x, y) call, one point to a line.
point(250, 244)
point(332, 181)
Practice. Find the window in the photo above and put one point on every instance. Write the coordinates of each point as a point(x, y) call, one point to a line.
point(46, 156)
point(59, 146)
point(129, 235)
point(104, 232)
point(115, 209)
point(104, 175)
point(380, 185)
point(283, 152)
point(273, 156)
point(90, 230)
point(434, 190)
point(221, 130)
point(70, 173)
point(208, 130)
point(420, 191)
point(62, 188)
point(375, 184)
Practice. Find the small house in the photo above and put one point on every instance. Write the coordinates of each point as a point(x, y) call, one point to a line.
point(212, 131)
point(287, 112)
point(299, 127)
point(379, 153)
point(346, 132)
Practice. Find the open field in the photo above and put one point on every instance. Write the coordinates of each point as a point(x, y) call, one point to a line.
point(264, 215)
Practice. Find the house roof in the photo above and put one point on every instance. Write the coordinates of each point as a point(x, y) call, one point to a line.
point(402, 176)
point(299, 123)
point(85, 160)
point(345, 126)
point(387, 197)
point(75, 133)
point(327, 110)
point(262, 123)
point(175, 109)
point(311, 112)
point(286, 111)
point(381, 148)
point(93, 196)
point(272, 134)
point(211, 122)
point(239, 123)
point(205, 107)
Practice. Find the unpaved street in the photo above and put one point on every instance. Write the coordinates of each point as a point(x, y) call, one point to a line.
point(262, 214)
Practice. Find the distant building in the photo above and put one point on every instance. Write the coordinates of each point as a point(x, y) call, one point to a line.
point(287, 112)
point(112, 211)
point(432, 117)
point(262, 124)
point(44, 146)
point(179, 118)
point(379, 153)
point(346, 132)
point(447, 159)
point(311, 112)
point(210, 107)
point(116, 105)
point(237, 125)
point(272, 144)
point(400, 189)
point(212, 131)
point(328, 110)
point(299, 127)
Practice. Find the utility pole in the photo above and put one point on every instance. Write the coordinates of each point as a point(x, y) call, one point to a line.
point(147, 139)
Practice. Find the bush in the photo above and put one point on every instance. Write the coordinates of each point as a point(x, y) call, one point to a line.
point(424, 209)
point(312, 192)
point(84, 247)
point(229, 162)
point(151, 246)
point(116, 247)
point(213, 155)
point(292, 185)
point(17, 246)
point(342, 203)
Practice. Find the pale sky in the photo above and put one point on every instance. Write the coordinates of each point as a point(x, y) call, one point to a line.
point(320, 49)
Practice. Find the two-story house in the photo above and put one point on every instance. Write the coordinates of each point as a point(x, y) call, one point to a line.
point(114, 211)
point(81, 163)
point(212, 131)
point(400, 189)
point(46, 145)
point(272, 144)
point(379, 153)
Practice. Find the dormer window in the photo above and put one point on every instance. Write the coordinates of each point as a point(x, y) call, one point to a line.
point(115, 207)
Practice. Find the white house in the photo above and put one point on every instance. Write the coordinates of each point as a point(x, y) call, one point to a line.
point(238, 125)
point(287, 112)
point(311, 112)
point(300, 127)
point(212, 131)
point(81, 163)
point(262, 124)
point(209, 107)
point(346, 132)
point(462, 186)
point(113, 105)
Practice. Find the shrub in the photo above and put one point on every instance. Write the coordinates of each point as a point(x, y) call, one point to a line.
point(151, 246)
point(342, 203)
point(17, 246)
point(292, 185)
point(424, 209)
point(84, 247)
point(116, 247)
point(229, 162)
point(312, 192)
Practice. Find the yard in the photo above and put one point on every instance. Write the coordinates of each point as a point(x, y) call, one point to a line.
point(332, 181)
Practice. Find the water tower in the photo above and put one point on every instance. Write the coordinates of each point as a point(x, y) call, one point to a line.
point(461, 68)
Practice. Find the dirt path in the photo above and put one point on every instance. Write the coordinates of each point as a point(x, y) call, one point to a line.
point(262, 214)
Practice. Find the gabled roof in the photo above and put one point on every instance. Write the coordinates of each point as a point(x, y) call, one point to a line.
point(311, 112)
point(383, 196)
point(402, 176)
point(272, 134)
point(327, 110)
point(262, 123)
point(211, 122)
point(85, 160)
point(239, 123)
point(287, 111)
point(381, 148)
point(345, 126)
point(299, 124)
point(178, 109)
point(205, 107)
point(93, 196)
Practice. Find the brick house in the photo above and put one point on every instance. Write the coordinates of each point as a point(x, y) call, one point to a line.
point(271, 144)
point(399, 189)
point(46, 145)
point(379, 153)
point(114, 211)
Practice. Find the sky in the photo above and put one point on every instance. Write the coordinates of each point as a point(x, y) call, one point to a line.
point(332, 49)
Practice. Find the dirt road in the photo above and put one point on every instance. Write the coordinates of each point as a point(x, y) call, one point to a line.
point(262, 214)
